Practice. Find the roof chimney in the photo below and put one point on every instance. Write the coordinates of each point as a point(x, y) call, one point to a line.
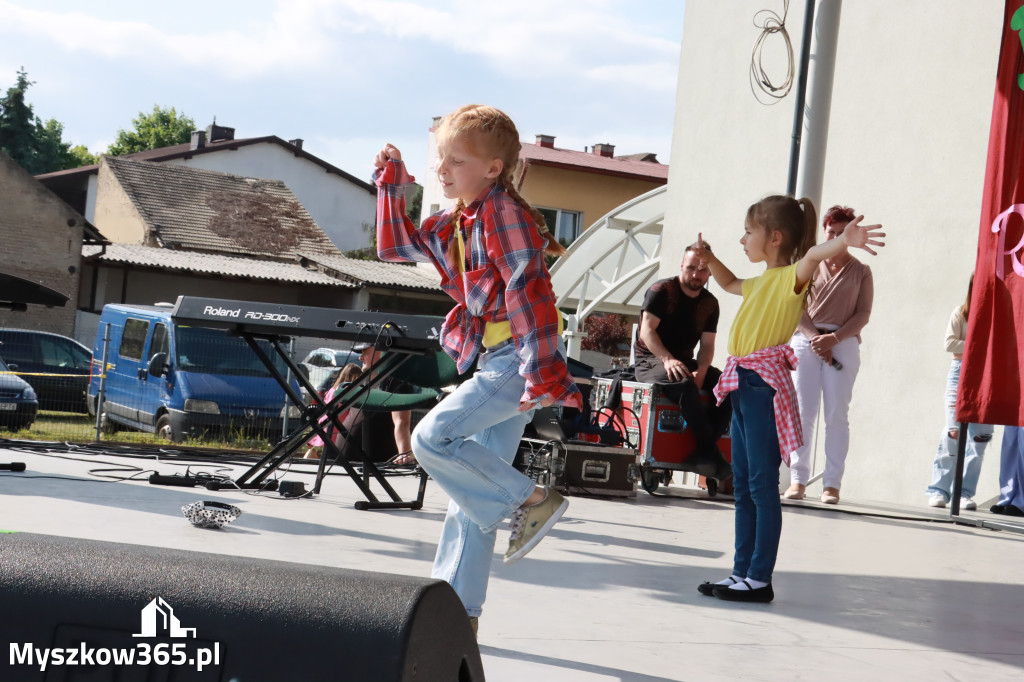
point(604, 149)
point(546, 141)
point(297, 142)
point(198, 139)
point(216, 133)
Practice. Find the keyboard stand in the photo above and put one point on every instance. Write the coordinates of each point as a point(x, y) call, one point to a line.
point(350, 396)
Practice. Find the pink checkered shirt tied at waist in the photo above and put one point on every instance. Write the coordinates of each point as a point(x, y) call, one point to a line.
point(775, 365)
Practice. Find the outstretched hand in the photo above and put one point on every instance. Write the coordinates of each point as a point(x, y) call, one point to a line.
point(388, 153)
point(863, 236)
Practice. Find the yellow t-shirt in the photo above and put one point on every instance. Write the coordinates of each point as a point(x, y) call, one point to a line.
point(769, 313)
point(494, 332)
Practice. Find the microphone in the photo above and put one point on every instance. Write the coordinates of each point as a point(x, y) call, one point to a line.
point(836, 363)
point(13, 466)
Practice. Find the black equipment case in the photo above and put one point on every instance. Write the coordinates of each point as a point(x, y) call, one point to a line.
point(580, 468)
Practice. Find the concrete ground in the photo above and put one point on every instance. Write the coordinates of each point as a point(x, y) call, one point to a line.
point(864, 591)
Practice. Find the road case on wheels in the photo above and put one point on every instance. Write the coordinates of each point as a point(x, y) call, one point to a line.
point(652, 425)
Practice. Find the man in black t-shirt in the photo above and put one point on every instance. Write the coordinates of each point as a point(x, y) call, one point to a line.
point(680, 314)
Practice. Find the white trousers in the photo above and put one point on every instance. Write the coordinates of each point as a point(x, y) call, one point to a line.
point(815, 380)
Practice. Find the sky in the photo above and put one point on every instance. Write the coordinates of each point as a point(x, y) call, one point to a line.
point(347, 76)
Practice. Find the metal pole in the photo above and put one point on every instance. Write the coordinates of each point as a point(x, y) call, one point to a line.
point(801, 93)
point(287, 403)
point(958, 478)
point(818, 101)
point(101, 391)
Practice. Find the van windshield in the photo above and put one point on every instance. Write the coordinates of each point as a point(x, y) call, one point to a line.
point(212, 351)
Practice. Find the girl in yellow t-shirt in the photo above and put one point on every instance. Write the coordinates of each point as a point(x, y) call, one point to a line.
point(780, 232)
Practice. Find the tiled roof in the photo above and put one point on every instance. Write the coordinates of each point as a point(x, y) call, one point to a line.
point(377, 272)
point(336, 271)
point(212, 264)
point(203, 210)
point(185, 150)
point(624, 166)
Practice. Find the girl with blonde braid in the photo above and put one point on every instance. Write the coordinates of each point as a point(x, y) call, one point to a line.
point(489, 250)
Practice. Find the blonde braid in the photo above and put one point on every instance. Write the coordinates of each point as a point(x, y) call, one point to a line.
point(453, 244)
point(552, 248)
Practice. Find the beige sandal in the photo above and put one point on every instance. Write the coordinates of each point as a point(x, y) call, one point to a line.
point(404, 459)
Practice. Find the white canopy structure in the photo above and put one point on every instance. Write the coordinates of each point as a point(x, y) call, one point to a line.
point(612, 264)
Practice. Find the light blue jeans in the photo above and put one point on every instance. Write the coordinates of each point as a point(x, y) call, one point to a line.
point(755, 467)
point(467, 443)
point(978, 437)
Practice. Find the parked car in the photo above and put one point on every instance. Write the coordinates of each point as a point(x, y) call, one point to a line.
point(323, 364)
point(18, 404)
point(56, 366)
point(182, 381)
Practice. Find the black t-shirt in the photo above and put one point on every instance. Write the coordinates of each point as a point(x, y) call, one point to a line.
point(682, 319)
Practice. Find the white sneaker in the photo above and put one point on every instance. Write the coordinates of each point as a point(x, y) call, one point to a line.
point(937, 500)
point(968, 503)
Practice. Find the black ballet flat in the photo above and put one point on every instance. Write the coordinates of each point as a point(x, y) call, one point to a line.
point(708, 588)
point(1013, 510)
point(761, 595)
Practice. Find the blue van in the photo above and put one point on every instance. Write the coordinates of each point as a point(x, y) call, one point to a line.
point(180, 381)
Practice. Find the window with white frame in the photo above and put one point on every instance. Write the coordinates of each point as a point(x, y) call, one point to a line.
point(565, 225)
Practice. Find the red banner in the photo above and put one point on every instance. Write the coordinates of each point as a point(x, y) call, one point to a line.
point(992, 375)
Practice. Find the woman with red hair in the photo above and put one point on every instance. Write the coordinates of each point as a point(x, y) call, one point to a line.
point(827, 346)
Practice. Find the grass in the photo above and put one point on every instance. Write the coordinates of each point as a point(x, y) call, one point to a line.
point(81, 428)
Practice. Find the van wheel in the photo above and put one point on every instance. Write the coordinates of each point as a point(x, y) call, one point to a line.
point(166, 430)
point(107, 425)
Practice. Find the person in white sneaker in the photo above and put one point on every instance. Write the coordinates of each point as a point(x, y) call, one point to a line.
point(827, 346)
point(978, 435)
point(489, 249)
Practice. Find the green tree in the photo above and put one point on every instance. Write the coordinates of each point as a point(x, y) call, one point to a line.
point(161, 128)
point(38, 147)
point(414, 202)
point(17, 124)
point(52, 152)
point(81, 156)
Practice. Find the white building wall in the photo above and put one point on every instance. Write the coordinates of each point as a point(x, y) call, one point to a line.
point(338, 207)
point(911, 105)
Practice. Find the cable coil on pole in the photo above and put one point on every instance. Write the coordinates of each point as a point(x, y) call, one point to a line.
point(761, 85)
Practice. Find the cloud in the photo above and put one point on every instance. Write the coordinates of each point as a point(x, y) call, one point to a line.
point(596, 40)
point(534, 38)
point(283, 41)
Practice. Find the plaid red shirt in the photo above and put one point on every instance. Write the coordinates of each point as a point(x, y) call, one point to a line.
point(775, 365)
point(505, 279)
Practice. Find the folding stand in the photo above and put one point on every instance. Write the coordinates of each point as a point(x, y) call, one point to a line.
point(350, 396)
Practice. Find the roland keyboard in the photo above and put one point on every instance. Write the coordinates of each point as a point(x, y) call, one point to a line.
point(386, 330)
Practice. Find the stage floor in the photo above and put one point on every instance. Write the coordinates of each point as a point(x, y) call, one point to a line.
point(864, 591)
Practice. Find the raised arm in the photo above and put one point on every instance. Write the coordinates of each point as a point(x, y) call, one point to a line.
point(855, 235)
point(723, 275)
point(397, 237)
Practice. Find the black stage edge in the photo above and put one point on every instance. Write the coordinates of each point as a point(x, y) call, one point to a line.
point(266, 620)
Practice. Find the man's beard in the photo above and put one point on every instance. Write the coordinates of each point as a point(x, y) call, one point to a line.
point(692, 285)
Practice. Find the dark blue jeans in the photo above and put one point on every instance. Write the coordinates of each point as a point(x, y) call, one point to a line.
point(755, 467)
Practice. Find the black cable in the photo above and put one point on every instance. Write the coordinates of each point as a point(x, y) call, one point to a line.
point(770, 24)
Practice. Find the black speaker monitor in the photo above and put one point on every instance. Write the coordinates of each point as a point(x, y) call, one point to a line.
point(196, 616)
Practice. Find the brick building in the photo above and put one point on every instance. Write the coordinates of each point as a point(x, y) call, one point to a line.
point(41, 240)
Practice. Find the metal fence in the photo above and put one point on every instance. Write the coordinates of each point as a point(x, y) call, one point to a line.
point(188, 385)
